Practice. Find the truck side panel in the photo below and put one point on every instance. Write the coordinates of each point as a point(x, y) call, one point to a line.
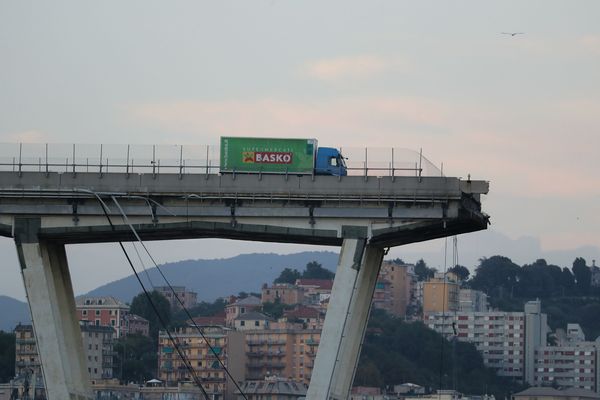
point(268, 155)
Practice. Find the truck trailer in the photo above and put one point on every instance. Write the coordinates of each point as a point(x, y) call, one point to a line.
point(279, 156)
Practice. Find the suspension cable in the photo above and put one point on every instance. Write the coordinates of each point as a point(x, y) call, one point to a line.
point(184, 359)
point(184, 308)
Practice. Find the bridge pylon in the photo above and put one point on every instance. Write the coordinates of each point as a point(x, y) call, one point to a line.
point(51, 301)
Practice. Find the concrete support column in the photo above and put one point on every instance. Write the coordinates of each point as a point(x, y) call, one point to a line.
point(49, 291)
point(346, 320)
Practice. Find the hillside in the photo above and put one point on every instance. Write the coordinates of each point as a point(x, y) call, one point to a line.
point(216, 278)
point(13, 312)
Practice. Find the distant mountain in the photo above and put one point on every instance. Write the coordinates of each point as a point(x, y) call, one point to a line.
point(13, 312)
point(217, 278)
point(473, 246)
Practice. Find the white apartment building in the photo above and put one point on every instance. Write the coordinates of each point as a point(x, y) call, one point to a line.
point(506, 340)
point(570, 366)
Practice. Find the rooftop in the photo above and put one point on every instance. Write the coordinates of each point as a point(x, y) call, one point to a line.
point(326, 284)
point(105, 301)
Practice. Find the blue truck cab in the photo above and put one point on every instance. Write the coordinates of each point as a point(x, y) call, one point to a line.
point(329, 161)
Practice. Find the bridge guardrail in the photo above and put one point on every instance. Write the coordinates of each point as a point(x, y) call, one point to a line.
point(186, 159)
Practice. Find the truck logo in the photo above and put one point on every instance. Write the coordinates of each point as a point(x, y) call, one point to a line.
point(266, 157)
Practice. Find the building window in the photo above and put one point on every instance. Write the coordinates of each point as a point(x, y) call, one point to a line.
point(97, 312)
point(113, 322)
point(84, 312)
point(256, 323)
point(242, 323)
point(97, 324)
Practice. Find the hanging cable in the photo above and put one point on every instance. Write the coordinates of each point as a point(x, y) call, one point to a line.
point(184, 308)
point(154, 308)
point(444, 288)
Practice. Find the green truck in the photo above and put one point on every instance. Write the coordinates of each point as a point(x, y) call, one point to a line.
point(279, 156)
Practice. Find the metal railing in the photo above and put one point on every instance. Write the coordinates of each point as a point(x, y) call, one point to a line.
point(188, 159)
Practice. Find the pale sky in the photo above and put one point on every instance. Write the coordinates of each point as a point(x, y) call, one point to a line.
point(522, 112)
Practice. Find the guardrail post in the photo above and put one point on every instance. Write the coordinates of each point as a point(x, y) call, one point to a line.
point(393, 170)
point(20, 157)
point(47, 172)
point(127, 162)
point(100, 161)
point(73, 160)
point(366, 162)
point(420, 163)
point(180, 161)
point(153, 162)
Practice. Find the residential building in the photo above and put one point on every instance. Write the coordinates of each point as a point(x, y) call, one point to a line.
point(237, 307)
point(471, 300)
point(252, 320)
point(316, 291)
point(395, 289)
point(281, 352)
point(284, 293)
point(311, 317)
point(227, 344)
point(506, 340)
point(98, 344)
point(569, 366)
point(136, 325)
point(549, 393)
point(440, 294)
point(273, 388)
point(105, 311)
point(187, 297)
point(27, 360)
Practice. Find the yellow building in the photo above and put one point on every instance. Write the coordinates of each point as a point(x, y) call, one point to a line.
point(286, 353)
point(226, 343)
point(441, 294)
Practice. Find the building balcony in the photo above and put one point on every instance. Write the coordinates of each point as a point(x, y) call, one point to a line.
point(25, 341)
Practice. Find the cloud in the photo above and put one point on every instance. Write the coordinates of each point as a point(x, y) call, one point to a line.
point(357, 67)
point(29, 136)
point(590, 43)
point(525, 154)
point(357, 119)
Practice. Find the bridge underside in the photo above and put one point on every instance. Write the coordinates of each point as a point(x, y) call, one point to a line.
point(45, 212)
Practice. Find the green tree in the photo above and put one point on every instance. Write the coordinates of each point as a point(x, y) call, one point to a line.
point(496, 276)
point(136, 359)
point(422, 271)
point(142, 307)
point(202, 309)
point(275, 309)
point(288, 275)
point(461, 272)
point(7, 356)
point(314, 270)
point(583, 276)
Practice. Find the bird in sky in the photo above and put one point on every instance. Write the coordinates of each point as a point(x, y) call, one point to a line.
point(512, 33)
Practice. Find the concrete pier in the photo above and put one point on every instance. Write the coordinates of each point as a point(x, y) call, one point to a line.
point(50, 295)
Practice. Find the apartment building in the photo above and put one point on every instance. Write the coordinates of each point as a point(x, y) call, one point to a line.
point(27, 359)
point(284, 293)
point(316, 291)
point(228, 345)
point(568, 366)
point(440, 294)
point(395, 289)
point(98, 344)
point(281, 352)
point(187, 297)
point(237, 307)
point(136, 325)
point(105, 311)
point(506, 340)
